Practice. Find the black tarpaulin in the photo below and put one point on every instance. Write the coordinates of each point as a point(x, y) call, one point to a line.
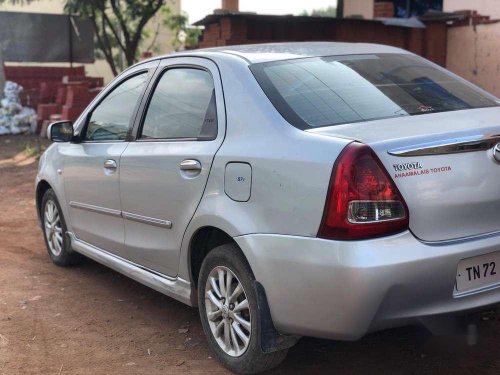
point(37, 37)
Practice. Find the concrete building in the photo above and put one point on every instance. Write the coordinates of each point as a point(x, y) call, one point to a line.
point(370, 9)
point(472, 45)
point(474, 52)
point(486, 7)
point(359, 8)
point(162, 35)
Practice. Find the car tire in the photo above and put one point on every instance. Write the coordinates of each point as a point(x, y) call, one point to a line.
point(54, 232)
point(222, 264)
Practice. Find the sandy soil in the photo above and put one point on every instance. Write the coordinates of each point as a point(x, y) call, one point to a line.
point(89, 319)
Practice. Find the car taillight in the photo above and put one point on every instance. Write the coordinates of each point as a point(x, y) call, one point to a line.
point(363, 201)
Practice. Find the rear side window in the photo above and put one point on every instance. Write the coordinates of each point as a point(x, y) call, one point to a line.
point(324, 91)
point(182, 106)
point(110, 120)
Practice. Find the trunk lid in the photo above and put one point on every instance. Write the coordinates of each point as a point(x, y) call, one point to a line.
point(444, 166)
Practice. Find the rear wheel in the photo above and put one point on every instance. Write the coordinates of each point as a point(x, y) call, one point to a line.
point(228, 311)
point(54, 230)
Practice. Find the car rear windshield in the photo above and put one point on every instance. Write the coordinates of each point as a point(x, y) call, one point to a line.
point(324, 91)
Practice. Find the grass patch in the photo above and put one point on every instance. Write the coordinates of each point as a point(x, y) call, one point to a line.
point(33, 150)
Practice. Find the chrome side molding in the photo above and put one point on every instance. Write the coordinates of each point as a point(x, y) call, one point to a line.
point(449, 146)
point(126, 215)
point(176, 288)
point(147, 220)
point(96, 209)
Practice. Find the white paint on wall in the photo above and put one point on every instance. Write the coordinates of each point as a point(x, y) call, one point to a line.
point(363, 8)
point(474, 54)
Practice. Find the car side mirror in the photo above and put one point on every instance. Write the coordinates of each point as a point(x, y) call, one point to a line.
point(61, 131)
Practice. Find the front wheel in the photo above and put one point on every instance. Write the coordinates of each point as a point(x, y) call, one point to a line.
point(54, 230)
point(228, 309)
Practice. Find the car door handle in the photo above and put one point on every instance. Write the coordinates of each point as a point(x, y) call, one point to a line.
point(190, 165)
point(110, 164)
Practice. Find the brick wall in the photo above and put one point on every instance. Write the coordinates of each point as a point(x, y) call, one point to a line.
point(236, 29)
point(383, 9)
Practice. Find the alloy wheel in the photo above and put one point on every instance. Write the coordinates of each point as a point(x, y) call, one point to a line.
point(53, 228)
point(228, 311)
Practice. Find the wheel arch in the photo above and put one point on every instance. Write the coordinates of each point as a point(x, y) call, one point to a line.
point(204, 240)
point(41, 188)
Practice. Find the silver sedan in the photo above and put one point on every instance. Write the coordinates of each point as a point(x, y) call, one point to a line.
point(288, 190)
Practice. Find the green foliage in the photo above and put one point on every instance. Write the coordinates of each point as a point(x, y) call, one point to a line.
point(184, 36)
point(323, 12)
point(119, 26)
point(176, 23)
point(193, 35)
point(32, 150)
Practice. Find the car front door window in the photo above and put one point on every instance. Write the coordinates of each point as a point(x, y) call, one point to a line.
point(110, 120)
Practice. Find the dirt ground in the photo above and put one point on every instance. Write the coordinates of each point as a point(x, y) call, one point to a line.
point(89, 319)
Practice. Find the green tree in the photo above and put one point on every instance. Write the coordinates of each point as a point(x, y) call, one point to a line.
point(192, 37)
point(184, 35)
point(119, 26)
point(323, 12)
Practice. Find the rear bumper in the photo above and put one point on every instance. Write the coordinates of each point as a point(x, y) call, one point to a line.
point(343, 290)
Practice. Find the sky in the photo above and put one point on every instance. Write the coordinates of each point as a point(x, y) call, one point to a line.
point(197, 9)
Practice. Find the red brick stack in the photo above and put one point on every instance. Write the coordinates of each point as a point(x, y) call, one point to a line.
point(30, 77)
point(72, 96)
point(55, 92)
point(77, 99)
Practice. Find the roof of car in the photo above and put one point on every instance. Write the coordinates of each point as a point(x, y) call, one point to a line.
point(256, 53)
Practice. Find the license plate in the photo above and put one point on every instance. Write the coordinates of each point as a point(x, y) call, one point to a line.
point(478, 272)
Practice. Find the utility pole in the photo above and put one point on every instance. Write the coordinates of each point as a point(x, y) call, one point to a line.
point(70, 38)
point(340, 8)
point(2, 73)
